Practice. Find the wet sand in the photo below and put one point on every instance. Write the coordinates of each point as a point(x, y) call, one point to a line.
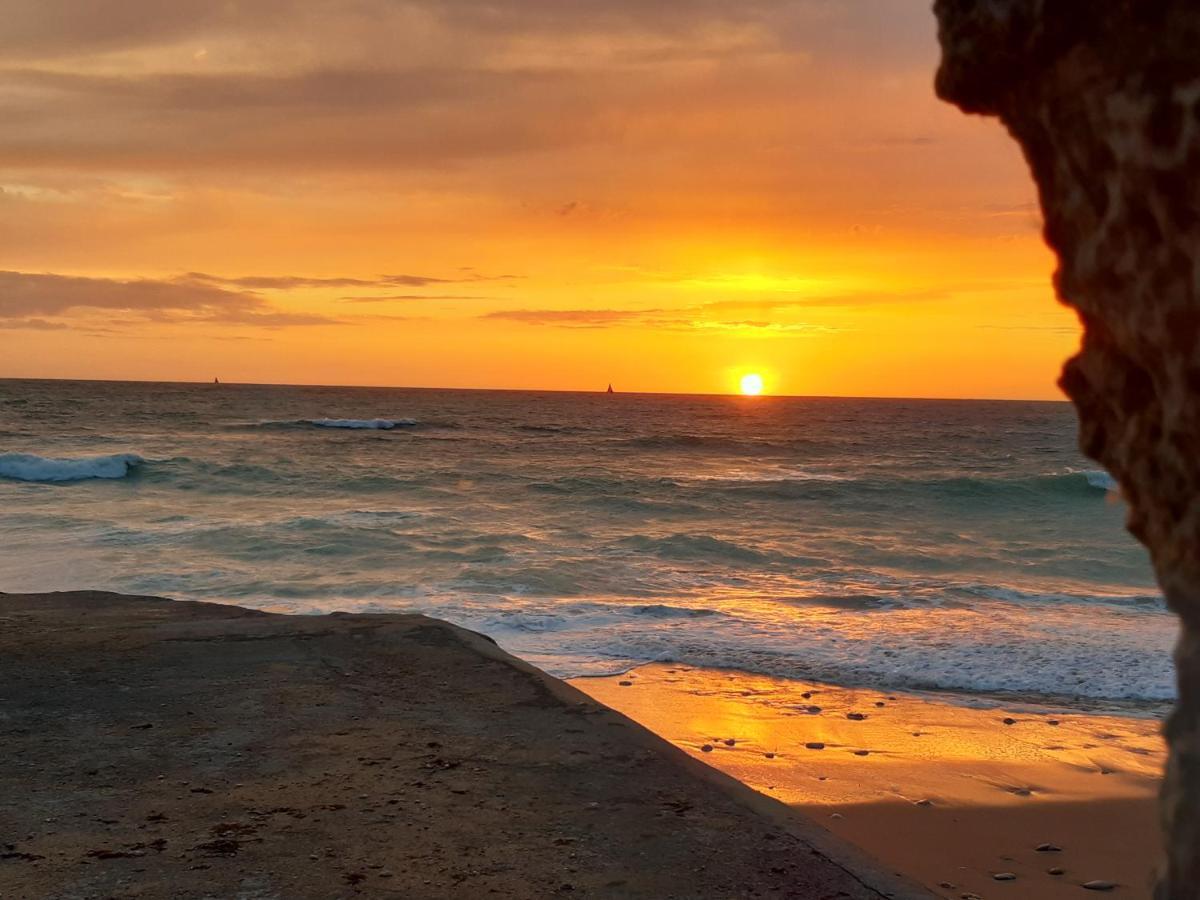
point(950, 796)
point(164, 749)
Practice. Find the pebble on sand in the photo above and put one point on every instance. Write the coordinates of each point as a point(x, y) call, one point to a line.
point(856, 716)
point(707, 748)
point(814, 745)
point(1008, 721)
point(1048, 848)
point(1099, 885)
point(1055, 870)
point(1004, 876)
point(625, 683)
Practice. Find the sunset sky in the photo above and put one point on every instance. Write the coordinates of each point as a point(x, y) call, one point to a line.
point(528, 194)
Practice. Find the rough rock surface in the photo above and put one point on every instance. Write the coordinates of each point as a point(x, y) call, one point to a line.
point(1104, 98)
point(154, 748)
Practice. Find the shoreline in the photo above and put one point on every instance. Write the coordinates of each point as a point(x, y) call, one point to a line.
point(189, 749)
point(1024, 703)
point(949, 795)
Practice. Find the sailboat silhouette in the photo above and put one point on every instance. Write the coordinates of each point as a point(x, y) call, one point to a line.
point(610, 390)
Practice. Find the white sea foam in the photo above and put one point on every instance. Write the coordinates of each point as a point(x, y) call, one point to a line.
point(29, 467)
point(995, 648)
point(1102, 480)
point(373, 424)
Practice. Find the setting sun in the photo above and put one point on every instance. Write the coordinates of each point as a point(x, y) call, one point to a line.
point(752, 385)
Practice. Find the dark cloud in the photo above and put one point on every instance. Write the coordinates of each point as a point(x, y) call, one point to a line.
point(313, 119)
point(33, 324)
point(25, 294)
point(443, 81)
point(78, 27)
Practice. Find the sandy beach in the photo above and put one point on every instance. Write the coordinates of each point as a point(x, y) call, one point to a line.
point(949, 795)
point(173, 749)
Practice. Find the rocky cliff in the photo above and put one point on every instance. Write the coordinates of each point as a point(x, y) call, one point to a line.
point(1104, 98)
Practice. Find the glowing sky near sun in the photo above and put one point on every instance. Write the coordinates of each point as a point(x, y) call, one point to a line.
point(532, 194)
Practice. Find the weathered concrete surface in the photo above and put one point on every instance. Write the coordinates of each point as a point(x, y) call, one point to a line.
point(161, 749)
point(1104, 98)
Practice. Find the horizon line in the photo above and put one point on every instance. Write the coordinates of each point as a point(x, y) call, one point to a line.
point(603, 390)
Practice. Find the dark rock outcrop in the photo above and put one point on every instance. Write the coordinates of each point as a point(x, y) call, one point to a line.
point(1104, 98)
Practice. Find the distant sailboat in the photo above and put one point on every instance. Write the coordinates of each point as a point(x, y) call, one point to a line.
point(610, 390)
point(216, 381)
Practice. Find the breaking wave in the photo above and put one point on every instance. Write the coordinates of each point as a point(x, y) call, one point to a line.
point(30, 467)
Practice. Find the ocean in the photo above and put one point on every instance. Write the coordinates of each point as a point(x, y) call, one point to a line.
point(954, 546)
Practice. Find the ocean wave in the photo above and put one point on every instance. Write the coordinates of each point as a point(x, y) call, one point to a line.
point(661, 611)
point(714, 442)
point(367, 424)
point(30, 467)
point(820, 486)
point(769, 476)
point(976, 650)
point(582, 617)
point(552, 429)
point(694, 546)
point(1101, 480)
point(1132, 600)
point(354, 424)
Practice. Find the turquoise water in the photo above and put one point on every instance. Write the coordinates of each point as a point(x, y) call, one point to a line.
point(958, 546)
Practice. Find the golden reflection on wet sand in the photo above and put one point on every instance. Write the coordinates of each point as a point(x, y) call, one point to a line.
point(949, 795)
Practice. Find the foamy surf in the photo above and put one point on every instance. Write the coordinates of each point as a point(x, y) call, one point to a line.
point(30, 467)
point(902, 544)
point(997, 649)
